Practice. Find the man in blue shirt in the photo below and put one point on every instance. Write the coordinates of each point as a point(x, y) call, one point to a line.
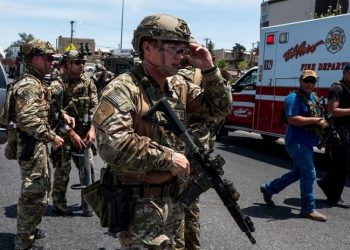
point(303, 132)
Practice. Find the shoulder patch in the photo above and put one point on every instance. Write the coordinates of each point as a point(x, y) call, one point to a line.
point(119, 99)
point(103, 112)
point(21, 103)
point(25, 94)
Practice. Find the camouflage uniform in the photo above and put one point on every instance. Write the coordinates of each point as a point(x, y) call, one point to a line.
point(82, 92)
point(32, 104)
point(140, 153)
point(198, 127)
point(101, 78)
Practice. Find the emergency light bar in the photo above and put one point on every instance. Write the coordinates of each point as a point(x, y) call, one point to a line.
point(270, 39)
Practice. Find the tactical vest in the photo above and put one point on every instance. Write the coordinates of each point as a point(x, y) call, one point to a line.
point(177, 98)
point(76, 99)
point(314, 111)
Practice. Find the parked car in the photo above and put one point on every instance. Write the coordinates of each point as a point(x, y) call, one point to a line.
point(3, 87)
point(90, 69)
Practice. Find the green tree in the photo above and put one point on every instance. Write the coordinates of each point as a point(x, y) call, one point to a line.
point(243, 65)
point(24, 38)
point(210, 46)
point(239, 50)
point(222, 64)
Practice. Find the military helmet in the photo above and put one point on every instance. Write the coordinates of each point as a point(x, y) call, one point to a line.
point(161, 27)
point(37, 47)
point(99, 67)
point(72, 55)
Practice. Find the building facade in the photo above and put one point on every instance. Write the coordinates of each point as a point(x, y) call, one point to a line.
point(276, 12)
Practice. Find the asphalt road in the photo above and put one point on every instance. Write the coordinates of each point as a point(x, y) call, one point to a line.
point(250, 161)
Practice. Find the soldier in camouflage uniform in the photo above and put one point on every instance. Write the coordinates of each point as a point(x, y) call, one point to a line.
point(32, 104)
point(78, 97)
point(205, 131)
point(143, 155)
point(198, 127)
point(101, 78)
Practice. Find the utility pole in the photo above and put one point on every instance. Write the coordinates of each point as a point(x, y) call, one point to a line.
point(252, 55)
point(121, 30)
point(71, 31)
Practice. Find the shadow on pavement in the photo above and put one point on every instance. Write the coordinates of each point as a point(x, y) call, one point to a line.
point(3, 137)
point(76, 209)
point(261, 210)
point(319, 203)
point(11, 212)
point(7, 241)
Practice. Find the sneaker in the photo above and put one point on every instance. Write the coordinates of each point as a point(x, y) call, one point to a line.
point(40, 233)
point(314, 216)
point(62, 209)
point(267, 197)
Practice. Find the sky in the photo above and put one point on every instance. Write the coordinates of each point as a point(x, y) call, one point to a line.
point(224, 22)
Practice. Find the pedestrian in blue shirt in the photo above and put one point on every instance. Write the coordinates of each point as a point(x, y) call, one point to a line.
point(303, 132)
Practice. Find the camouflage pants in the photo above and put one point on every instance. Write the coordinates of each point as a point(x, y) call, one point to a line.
point(186, 226)
point(192, 226)
point(62, 165)
point(150, 227)
point(178, 220)
point(35, 191)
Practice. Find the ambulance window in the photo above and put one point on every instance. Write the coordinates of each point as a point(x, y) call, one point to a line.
point(247, 82)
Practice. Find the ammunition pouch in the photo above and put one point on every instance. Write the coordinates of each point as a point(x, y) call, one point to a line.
point(110, 204)
point(28, 146)
point(97, 201)
point(111, 201)
point(11, 146)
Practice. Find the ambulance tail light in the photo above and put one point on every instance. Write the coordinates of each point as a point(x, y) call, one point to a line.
point(270, 39)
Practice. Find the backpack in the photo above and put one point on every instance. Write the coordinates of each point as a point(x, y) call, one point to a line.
point(7, 121)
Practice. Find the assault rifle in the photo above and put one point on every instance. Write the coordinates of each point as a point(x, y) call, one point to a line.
point(84, 160)
point(331, 132)
point(210, 170)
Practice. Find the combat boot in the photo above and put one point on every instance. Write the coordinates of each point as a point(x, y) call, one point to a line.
point(62, 209)
point(39, 233)
point(88, 213)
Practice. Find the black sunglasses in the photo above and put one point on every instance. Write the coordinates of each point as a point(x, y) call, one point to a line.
point(310, 80)
point(50, 58)
point(78, 62)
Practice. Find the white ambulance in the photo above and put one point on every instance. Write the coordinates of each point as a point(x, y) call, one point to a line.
point(285, 51)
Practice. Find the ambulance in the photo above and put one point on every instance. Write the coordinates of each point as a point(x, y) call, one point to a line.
point(285, 51)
